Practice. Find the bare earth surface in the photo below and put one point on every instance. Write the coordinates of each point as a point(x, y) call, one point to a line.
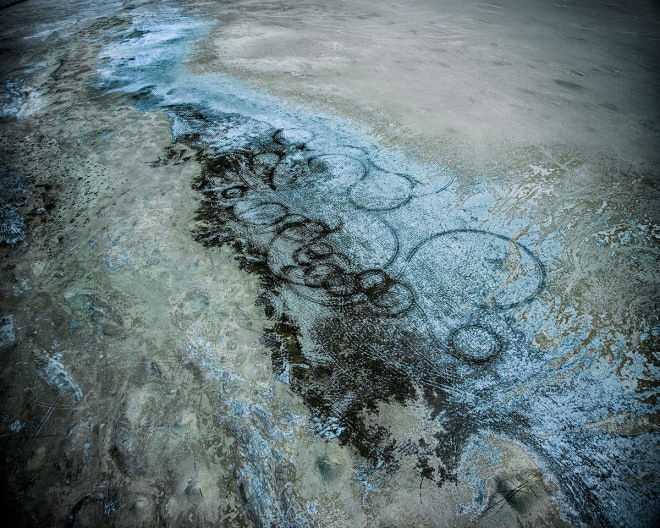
point(357, 264)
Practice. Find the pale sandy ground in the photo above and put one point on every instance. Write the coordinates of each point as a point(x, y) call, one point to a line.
point(132, 341)
point(456, 79)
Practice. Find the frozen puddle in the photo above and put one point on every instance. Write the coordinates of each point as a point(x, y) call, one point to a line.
point(425, 367)
point(389, 288)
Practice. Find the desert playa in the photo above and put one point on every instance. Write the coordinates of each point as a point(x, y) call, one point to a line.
point(329, 264)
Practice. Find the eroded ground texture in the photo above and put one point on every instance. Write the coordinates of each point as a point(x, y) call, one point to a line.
point(329, 263)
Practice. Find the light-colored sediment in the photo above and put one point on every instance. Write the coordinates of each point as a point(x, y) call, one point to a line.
point(454, 80)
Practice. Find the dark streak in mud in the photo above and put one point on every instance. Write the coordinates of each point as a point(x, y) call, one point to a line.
point(364, 319)
point(5, 5)
point(93, 509)
point(360, 319)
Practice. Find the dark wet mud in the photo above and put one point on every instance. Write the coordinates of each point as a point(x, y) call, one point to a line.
point(219, 308)
point(393, 321)
point(365, 326)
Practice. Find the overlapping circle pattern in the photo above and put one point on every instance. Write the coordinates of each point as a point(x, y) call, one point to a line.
point(277, 194)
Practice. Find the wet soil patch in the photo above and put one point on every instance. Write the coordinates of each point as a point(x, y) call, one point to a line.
point(344, 335)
